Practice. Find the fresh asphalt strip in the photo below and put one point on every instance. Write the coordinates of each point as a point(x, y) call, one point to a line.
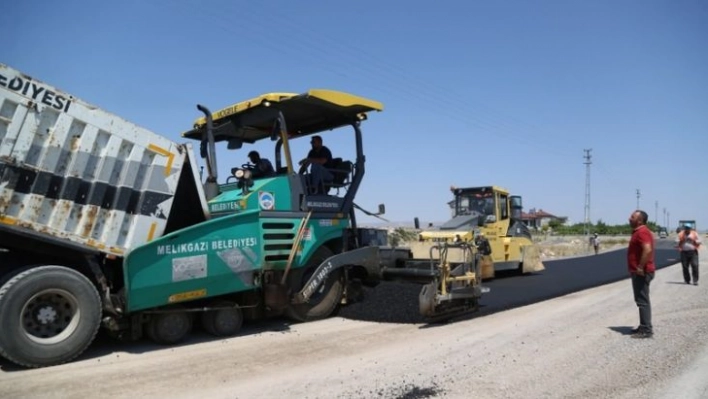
point(566, 276)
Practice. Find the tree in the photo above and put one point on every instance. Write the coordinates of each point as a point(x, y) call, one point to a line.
point(601, 228)
point(554, 224)
point(399, 235)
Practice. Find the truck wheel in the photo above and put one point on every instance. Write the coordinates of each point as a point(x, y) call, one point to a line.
point(169, 328)
point(49, 315)
point(326, 299)
point(223, 322)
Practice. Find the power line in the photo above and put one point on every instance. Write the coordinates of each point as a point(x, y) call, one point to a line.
point(666, 219)
point(391, 78)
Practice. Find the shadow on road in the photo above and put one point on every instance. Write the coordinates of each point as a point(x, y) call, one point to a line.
point(104, 345)
point(624, 330)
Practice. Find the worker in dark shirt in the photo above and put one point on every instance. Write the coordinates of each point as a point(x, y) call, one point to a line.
point(320, 161)
point(262, 168)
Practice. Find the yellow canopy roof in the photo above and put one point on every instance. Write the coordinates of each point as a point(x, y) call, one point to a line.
point(308, 113)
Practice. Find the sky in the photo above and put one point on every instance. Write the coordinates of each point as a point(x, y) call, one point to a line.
point(508, 93)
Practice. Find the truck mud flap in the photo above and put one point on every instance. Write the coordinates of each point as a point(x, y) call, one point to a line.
point(367, 257)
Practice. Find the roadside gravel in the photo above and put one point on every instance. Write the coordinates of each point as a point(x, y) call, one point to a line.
point(575, 346)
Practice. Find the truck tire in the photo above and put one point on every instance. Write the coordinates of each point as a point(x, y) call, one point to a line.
point(49, 315)
point(325, 301)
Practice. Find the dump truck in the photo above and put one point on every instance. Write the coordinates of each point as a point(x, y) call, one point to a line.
point(106, 224)
point(490, 213)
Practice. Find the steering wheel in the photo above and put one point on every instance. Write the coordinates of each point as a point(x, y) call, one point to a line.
point(245, 166)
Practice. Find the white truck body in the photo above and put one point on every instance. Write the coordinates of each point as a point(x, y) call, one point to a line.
point(73, 171)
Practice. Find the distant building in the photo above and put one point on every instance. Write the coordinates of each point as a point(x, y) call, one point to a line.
point(536, 219)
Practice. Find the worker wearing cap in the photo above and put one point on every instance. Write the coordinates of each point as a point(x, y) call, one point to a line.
point(320, 160)
point(688, 243)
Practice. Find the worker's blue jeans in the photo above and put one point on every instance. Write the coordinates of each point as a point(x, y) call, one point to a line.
point(319, 175)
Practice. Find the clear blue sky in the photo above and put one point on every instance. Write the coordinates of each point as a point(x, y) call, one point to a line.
point(475, 93)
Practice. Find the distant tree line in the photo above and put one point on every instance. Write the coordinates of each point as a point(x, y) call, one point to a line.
point(600, 227)
point(401, 235)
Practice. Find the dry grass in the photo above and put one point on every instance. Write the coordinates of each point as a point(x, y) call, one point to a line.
point(564, 247)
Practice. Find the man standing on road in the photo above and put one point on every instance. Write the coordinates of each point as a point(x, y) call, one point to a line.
point(640, 262)
point(688, 244)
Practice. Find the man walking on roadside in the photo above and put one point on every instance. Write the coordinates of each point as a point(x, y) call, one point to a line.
point(640, 262)
point(595, 242)
point(688, 244)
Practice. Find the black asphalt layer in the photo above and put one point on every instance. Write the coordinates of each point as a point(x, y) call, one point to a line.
point(566, 276)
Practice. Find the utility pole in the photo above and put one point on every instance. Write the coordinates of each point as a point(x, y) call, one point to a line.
point(638, 195)
point(668, 219)
point(666, 225)
point(587, 163)
point(656, 212)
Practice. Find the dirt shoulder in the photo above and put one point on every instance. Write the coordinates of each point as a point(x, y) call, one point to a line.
point(559, 247)
point(572, 346)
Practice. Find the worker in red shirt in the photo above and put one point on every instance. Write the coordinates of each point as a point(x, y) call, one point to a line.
point(640, 262)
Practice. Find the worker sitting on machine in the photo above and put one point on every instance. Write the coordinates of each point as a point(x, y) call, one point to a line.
point(262, 167)
point(320, 161)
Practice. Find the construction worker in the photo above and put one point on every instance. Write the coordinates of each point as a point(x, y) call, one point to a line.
point(688, 243)
point(640, 262)
point(595, 241)
point(320, 160)
point(262, 166)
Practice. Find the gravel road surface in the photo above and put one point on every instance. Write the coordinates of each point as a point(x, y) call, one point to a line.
point(572, 346)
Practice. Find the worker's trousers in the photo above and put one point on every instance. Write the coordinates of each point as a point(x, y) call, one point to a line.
point(689, 259)
point(640, 286)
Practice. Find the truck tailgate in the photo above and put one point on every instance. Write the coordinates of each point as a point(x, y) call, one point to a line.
point(72, 171)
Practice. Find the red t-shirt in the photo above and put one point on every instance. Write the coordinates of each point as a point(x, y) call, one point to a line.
point(641, 235)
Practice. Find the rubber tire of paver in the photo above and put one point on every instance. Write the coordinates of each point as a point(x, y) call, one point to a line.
point(66, 296)
point(328, 297)
point(223, 322)
point(169, 328)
